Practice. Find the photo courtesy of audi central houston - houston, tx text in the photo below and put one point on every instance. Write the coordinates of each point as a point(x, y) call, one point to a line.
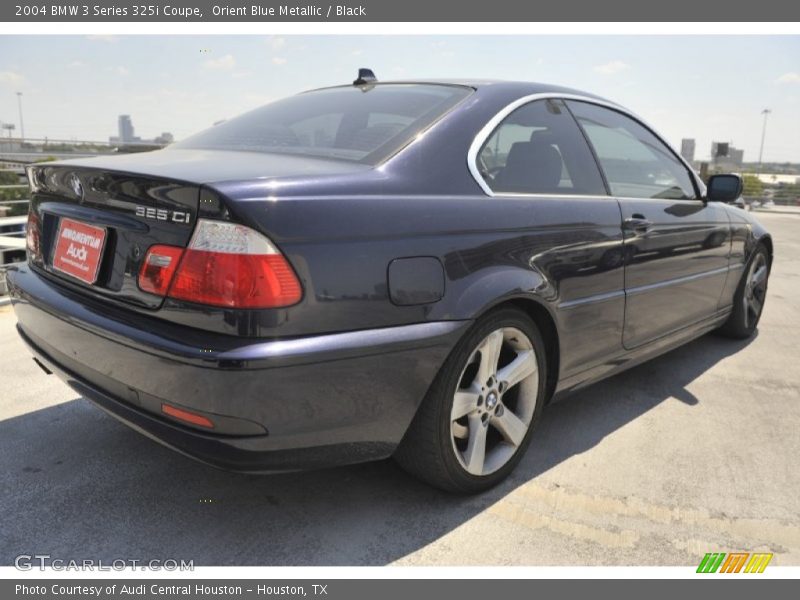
point(400, 300)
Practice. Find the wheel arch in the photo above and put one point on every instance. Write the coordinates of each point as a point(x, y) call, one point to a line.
point(766, 239)
point(541, 315)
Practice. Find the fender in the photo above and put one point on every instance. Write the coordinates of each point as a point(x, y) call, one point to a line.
point(746, 234)
point(491, 287)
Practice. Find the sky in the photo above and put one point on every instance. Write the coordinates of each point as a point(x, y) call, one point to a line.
point(711, 88)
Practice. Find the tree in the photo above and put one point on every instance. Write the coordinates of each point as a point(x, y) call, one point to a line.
point(9, 178)
point(788, 194)
point(753, 187)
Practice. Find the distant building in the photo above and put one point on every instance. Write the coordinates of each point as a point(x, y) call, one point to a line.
point(125, 129)
point(165, 138)
point(719, 150)
point(687, 149)
point(125, 134)
point(10, 145)
point(725, 156)
point(778, 179)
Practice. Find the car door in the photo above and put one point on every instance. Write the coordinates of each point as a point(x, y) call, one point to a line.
point(677, 246)
point(537, 159)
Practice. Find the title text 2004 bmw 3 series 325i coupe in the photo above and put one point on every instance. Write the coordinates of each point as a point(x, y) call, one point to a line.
point(406, 269)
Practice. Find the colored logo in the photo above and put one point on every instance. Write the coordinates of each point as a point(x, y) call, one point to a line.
point(734, 562)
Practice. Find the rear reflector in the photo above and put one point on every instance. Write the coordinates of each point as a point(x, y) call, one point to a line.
point(186, 416)
point(160, 264)
point(233, 266)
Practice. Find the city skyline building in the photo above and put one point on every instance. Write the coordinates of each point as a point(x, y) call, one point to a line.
point(687, 149)
point(126, 134)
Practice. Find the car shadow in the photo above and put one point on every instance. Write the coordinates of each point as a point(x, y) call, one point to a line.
point(77, 484)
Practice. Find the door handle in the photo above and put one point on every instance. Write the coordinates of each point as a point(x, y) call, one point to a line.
point(637, 224)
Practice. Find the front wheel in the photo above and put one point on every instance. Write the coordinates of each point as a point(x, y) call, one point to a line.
point(748, 303)
point(476, 420)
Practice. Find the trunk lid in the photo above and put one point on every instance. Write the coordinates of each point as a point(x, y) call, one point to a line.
point(149, 198)
point(212, 166)
point(129, 211)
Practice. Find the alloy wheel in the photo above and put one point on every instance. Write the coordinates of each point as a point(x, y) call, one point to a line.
point(755, 289)
point(495, 401)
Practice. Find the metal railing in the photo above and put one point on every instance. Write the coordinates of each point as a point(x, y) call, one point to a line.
point(13, 204)
point(12, 236)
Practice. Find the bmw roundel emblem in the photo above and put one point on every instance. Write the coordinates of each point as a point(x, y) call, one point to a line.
point(76, 185)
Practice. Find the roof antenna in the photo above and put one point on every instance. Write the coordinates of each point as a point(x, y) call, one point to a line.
point(365, 77)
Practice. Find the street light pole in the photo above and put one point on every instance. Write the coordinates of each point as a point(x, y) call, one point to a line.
point(766, 113)
point(21, 124)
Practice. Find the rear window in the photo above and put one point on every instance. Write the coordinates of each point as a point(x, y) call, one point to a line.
point(362, 124)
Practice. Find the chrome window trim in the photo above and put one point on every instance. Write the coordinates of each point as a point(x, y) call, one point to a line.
point(487, 130)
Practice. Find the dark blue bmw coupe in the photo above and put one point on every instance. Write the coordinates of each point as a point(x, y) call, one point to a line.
point(407, 269)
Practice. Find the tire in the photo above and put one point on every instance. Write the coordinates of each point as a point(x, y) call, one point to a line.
point(749, 298)
point(444, 449)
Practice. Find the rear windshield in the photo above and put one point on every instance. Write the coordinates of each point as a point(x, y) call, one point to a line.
point(363, 124)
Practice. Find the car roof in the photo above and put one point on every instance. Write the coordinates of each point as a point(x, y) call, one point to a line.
point(521, 88)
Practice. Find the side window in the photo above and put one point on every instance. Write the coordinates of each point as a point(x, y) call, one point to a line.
point(539, 149)
point(635, 162)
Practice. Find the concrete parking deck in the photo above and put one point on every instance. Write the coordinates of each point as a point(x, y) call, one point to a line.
point(690, 453)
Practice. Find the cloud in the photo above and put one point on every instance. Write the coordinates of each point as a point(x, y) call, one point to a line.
point(119, 70)
point(226, 62)
point(11, 78)
point(792, 77)
point(276, 42)
point(103, 38)
point(610, 68)
point(357, 52)
point(241, 74)
point(76, 64)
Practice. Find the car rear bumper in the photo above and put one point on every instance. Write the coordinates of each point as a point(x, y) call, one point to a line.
point(281, 404)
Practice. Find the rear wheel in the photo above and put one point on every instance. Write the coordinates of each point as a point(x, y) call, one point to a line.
point(476, 421)
point(748, 303)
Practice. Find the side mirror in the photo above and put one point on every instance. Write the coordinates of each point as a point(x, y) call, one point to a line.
point(724, 188)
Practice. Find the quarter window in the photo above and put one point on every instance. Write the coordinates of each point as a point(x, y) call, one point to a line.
point(539, 149)
point(635, 162)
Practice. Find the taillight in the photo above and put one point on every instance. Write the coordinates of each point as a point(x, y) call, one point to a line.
point(32, 236)
point(227, 265)
point(158, 268)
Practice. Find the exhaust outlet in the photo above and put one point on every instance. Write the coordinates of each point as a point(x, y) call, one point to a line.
point(41, 364)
